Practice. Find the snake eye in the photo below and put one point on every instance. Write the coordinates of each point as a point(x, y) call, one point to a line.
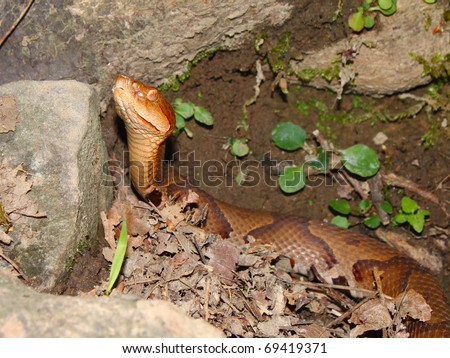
point(152, 95)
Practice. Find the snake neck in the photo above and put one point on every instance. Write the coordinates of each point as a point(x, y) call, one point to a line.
point(145, 161)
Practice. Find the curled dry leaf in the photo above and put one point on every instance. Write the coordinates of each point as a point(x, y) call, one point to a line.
point(371, 316)
point(15, 184)
point(413, 304)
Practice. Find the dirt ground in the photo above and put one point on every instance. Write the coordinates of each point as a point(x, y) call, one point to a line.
point(222, 83)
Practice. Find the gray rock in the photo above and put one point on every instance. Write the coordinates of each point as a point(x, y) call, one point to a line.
point(93, 40)
point(26, 313)
point(57, 141)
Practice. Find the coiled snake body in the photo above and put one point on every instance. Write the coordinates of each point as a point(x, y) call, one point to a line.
point(338, 255)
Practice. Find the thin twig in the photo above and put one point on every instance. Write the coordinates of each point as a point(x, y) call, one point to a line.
point(338, 287)
point(208, 283)
point(19, 19)
point(397, 180)
point(13, 264)
point(348, 312)
point(376, 185)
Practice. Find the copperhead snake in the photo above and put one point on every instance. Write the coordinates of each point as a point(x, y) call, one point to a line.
point(338, 255)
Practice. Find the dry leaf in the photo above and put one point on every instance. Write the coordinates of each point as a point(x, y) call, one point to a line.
point(371, 316)
point(14, 187)
point(313, 331)
point(223, 258)
point(413, 304)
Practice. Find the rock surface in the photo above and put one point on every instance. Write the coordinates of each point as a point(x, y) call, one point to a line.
point(383, 63)
point(93, 40)
point(26, 313)
point(52, 166)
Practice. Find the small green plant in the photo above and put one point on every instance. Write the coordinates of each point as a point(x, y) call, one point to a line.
point(364, 213)
point(238, 146)
point(187, 110)
point(119, 256)
point(364, 17)
point(357, 159)
point(411, 213)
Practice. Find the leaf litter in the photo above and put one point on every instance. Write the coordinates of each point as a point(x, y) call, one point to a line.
point(246, 291)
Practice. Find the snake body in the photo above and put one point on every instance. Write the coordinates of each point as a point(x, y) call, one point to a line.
point(339, 256)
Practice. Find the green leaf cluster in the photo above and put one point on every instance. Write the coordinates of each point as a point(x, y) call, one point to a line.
point(358, 159)
point(187, 110)
point(411, 213)
point(364, 17)
point(344, 210)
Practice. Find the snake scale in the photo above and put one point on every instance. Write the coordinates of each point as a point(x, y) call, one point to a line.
point(339, 256)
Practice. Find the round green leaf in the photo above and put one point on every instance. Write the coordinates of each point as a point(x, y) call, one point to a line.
point(417, 221)
point(356, 21)
point(361, 160)
point(365, 205)
point(288, 136)
point(240, 148)
point(385, 4)
point(391, 10)
point(341, 221)
point(180, 123)
point(369, 22)
point(202, 115)
point(399, 219)
point(430, 1)
point(387, 207)
point(372, 221)
point(184, 109)
point(340, 206)
point(409, 206)
point(292, 179)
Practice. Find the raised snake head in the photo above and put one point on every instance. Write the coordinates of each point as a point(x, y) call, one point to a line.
point(143, 109)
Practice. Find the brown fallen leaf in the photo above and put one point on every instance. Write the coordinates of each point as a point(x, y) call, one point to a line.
point(313, 331)
point(413, 304)
point(371, 316)
point(223, 257)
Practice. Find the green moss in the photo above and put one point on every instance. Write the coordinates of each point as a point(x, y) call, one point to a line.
point(4, 218)
point(446, 16)
point(433, 133)
point(173, 82)
point(427, 21)
point(307, 74)
point(259, 40)
point(331, 72)
point(437, 67)
point(328, 73)
point(277, 53)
